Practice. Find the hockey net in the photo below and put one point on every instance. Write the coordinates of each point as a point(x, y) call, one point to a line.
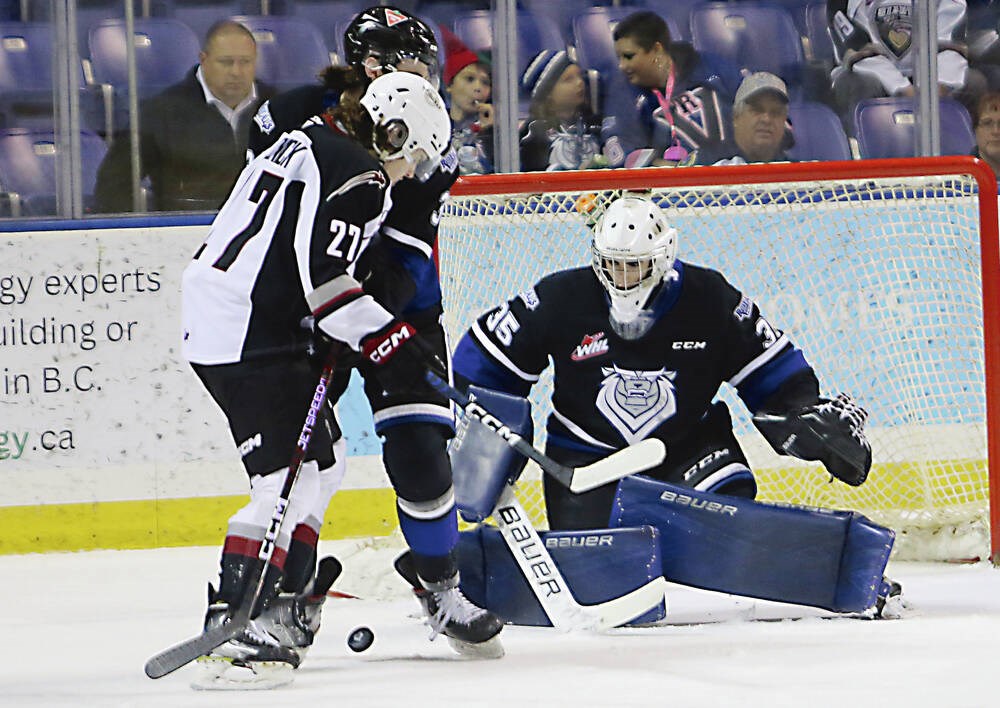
point(874, 268)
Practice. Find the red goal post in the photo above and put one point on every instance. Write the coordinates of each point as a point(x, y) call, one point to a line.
point(885, 273)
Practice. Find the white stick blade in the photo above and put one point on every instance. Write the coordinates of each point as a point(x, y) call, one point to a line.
point(634, 458)
point(615, 613)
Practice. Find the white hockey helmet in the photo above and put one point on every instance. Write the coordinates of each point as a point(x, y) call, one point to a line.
point(634, 249)
point(409, 117)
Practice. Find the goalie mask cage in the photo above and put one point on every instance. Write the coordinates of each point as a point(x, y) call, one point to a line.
point(884, 272)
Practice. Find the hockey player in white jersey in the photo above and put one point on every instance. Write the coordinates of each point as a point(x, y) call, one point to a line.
point(640, 343)
point(288, 250)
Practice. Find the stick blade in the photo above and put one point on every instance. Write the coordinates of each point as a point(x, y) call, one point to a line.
point(634, 458)
point(169, 660)
point(616, 612)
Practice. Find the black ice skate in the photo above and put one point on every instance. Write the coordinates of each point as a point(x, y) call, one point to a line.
point(255, 659)
point(471, 630)
point(890, 602)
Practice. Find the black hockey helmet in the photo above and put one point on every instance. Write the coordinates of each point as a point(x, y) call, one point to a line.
point(390, 36)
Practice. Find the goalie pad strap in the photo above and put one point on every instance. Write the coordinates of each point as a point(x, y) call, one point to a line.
point(803, 555)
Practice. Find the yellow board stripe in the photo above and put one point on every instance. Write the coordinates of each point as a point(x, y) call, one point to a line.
point(200, 521)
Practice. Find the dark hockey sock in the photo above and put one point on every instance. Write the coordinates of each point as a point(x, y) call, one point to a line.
point(301, 563)
point(239, 567)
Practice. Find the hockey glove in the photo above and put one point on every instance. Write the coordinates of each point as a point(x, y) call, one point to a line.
point(831, 431)
point(400, 359)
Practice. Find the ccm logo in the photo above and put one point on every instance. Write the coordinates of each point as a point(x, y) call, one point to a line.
point(384, 350)
point(690, 345)
point(685, 500)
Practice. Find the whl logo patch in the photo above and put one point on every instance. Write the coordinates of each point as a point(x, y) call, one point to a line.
point(590, 346)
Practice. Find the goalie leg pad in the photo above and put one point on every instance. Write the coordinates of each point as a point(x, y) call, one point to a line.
point(598, 565)
point(833, 560)
point(482, 463)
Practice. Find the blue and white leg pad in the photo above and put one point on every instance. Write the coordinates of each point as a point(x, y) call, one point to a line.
point(802, 555)
point(598, 565)
point(482, 463)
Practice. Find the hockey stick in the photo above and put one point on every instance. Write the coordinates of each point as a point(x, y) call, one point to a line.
point(549, 585)
point(634, 458)
point(175, 657)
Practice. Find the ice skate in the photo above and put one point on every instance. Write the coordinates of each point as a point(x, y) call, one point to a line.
point(471, 630)
point(254, 660)
point(890, 603)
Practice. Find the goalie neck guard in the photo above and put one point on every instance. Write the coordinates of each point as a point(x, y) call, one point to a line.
point(633, 251)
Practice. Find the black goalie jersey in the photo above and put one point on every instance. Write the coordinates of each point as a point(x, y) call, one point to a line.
point(285, 247)
point(610, 392)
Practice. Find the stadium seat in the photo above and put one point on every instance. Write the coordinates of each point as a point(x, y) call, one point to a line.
point(165, 49)
point(592, 34)
point(199, 15)
point(28, 166)
point(886, 127)
point(534, 33)
point(752, 36)
point(819, 134)
point(290, 51)
point(817, 32)
point(26, 80)
point(677, 13)
point(329, 17)
point(91, 12)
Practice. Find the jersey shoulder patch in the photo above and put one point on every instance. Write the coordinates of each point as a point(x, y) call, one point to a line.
point(263, 118)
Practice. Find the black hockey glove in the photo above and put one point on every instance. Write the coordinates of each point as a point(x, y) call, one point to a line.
point(400, 359)
point(831, 431)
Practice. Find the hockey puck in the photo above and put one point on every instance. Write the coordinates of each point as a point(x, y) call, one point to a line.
point(360, 639)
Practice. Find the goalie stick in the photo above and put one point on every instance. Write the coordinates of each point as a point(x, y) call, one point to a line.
point(175, 657)
point(549, 585)
point(634, 458)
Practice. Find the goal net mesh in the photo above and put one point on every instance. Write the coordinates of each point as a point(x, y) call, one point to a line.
point(878, 281)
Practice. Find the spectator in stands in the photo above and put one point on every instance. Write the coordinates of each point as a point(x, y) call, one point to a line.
point(468, 85)
point(760, 114)
point(677, 101)
point(873, 42)
point(193, 135)
point(986, 120)
point(562, 131)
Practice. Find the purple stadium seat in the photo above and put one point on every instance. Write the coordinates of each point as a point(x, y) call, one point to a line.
point(165, 49)
point(290, 51)
point(886, 127)
point(819, 134)
point(28, 167)
point(535, 33)
point(752, 36)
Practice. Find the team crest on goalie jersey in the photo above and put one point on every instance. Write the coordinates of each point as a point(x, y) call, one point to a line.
point(636, 402)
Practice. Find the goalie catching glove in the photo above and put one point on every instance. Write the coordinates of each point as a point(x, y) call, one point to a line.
point(831, 431)
point(400, 358)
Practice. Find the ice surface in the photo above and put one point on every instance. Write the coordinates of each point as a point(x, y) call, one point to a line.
point(77, 629)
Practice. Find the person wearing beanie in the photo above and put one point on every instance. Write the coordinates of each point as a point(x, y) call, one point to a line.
point(468, 86)
point(562, 131)
point(673, 101)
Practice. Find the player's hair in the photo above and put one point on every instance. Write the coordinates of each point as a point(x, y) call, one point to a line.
point(353, 117)
point(222, 27)
point(344, 79)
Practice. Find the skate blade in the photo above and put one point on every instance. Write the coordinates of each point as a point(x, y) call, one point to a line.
point(492, 648)
point(219, 673)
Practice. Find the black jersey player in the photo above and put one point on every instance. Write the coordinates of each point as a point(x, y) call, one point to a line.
point(640, 343)
point(287, 249)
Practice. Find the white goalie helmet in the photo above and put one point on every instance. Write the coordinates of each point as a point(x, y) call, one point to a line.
point(634, 250)
point(409, 117)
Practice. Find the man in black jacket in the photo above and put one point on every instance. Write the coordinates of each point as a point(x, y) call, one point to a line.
point(193, 136)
